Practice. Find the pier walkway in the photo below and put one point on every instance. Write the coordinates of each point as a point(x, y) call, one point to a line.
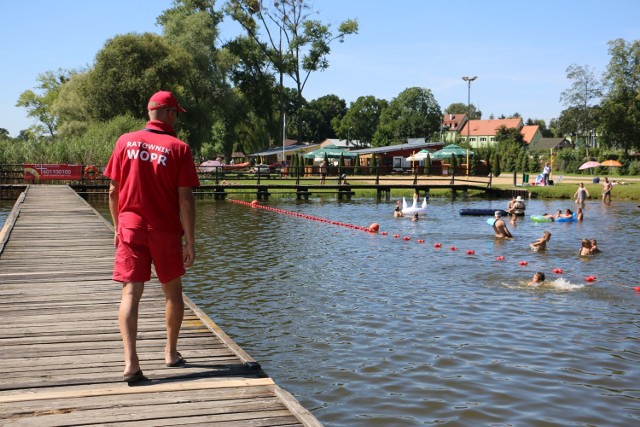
point(61, 360)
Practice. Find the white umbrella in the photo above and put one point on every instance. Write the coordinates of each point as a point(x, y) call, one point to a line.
point(416, 157)
point(209, 166)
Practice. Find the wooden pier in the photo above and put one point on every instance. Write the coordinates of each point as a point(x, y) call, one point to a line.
point(61, 361)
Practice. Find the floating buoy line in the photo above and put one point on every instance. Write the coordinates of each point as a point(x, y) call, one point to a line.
point(374, 228)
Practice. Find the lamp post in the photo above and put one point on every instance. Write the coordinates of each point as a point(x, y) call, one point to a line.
point(468, 80)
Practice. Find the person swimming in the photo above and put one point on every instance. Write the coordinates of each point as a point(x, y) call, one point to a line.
point(585, 248)
point(397, 212)
point(537, 279)
point(541, 243)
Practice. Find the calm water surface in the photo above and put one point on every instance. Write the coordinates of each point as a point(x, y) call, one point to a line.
point(372, 330)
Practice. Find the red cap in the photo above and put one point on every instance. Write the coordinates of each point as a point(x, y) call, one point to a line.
point(164, 99)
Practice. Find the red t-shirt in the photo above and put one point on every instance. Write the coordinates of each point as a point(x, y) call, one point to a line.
point(149, 166)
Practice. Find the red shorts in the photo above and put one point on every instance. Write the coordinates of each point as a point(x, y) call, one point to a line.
point(139, 247)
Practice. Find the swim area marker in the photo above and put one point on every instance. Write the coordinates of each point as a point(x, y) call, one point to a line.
point(374, 228)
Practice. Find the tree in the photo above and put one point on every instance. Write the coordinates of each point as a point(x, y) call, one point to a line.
point(620, 121)
point(251, 74)
point(583, 93)
point(495, 165)
point(461, 108)
point(542, 125)
point(361, 119)
point(39, 105)
point(191, 26)
point(295, 44)
point(428, 169)
point(129, 68)
point(319, 114)
point(454, 164)
point(4, 134)
point(413, 113)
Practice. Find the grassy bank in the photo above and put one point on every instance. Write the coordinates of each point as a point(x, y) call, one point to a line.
point(628, 191)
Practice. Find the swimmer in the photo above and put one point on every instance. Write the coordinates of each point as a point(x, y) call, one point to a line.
point(585, 248)
point(594, 247)
point(567, 214)
point(579, 214)
point(397, 212)
point(415, 217)
point(537, 279)
point(541, 243)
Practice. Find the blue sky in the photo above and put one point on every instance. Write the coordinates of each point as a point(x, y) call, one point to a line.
point(518, 49)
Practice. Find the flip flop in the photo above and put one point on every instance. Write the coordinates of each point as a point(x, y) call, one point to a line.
point(134, 378)
point(177, 363)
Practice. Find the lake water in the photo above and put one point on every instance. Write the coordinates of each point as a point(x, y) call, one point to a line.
point(373, 330)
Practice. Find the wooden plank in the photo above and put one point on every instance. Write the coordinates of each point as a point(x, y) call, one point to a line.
point(153, 388)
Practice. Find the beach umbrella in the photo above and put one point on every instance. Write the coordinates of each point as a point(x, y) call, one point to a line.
point(331, 152)
point(589, 165)
point(449, 150)
point(416, 157)
point(209, 165)
point(611, 163)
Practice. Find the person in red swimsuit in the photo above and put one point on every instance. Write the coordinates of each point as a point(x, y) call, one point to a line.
point(152, 205)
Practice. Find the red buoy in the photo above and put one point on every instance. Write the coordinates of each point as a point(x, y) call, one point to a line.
point(453, 248)
point(437, 245)
point(471, 252)
point(523, 263)
point(590, 279)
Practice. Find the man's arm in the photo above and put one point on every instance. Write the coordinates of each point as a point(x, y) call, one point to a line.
point(188, 219)
point(113, 208)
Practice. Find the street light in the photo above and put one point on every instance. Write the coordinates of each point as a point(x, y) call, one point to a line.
point(468, 80)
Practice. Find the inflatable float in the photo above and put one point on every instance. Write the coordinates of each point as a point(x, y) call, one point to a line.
point(540, 218)
point(410, 210)
point(573, 218)
point(482, 212)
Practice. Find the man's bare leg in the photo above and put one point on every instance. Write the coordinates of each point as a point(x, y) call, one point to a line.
point(174, 313)
point(128, 322)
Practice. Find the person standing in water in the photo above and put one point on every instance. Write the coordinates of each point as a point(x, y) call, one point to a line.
point(606, 191)
point(500, 227)
point(581, 194)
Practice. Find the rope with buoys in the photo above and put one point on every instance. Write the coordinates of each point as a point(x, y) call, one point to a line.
point(375, 228)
